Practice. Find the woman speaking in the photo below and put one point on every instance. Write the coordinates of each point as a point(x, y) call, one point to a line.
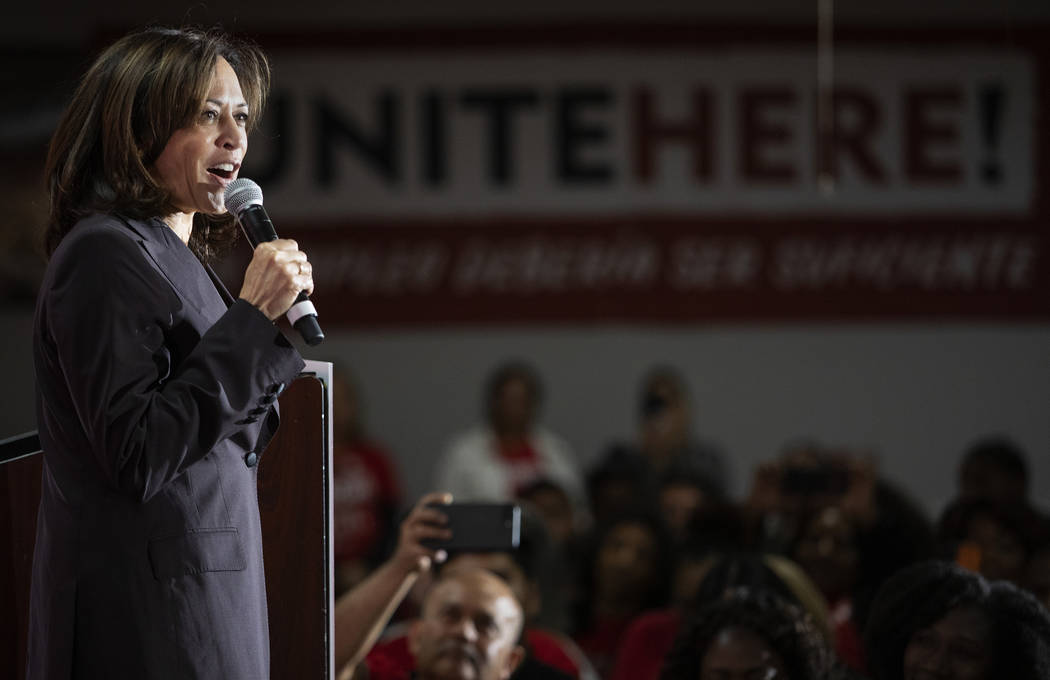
point(155, 387)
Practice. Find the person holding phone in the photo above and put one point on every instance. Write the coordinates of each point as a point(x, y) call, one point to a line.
point(363, 612)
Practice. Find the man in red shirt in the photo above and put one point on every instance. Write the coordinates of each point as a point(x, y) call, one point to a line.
point(469, 630)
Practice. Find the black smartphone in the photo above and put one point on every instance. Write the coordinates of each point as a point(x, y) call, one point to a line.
point(480, 527)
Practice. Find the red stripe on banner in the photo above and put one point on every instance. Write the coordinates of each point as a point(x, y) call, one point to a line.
point(675, 270)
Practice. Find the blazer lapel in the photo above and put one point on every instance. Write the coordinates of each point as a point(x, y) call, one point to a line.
point(180, 267)
point(219, 286)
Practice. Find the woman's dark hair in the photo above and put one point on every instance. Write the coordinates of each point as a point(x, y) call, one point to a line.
point(717, 527)
point(682, 473)
point(508, 372)
point(740, 571)
point(767, 573)
point(919, 596)
point(783, 626)
point(540, 485)
point(656, 378)
point(1000, 452)
point(658, 590)
point(133, 98)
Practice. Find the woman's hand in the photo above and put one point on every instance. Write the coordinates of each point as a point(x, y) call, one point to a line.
point(275, 276)
point(422, 523)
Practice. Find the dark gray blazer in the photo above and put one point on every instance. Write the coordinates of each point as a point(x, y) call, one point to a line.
point(155, 396)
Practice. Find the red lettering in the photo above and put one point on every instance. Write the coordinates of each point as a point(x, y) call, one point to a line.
point(855, 120)
point(696, 130)
point(758, 135)
point(924, 134)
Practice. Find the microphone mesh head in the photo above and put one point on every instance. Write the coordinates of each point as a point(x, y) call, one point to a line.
point(241, 193)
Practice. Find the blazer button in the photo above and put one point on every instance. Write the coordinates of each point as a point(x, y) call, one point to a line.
point(251, 460)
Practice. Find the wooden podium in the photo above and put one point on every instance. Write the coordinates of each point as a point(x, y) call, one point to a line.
point(19, 497)
point(295, 503)
point(295, 500)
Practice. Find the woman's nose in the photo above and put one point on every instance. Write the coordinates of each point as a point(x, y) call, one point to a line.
point(232, 135)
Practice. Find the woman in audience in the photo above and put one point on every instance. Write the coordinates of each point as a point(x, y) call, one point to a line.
point(849, 530)
point(652, 635)
point(628, 566)
point(938, 620)
point(993, 537)
point(749, 634)
point(494, 460)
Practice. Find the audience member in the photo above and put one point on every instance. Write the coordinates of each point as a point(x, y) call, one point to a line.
point(365, 489)
point(520, 569)
point(848, 529)
point(496, 460)
point(548, 502)
point(651, 636)
point(993, 468)
point(628, 568)
point(682, 493)
point(802, 480)
point(469, 630)
point(993, 538)
point(938, 620)
point(363, 612)
point(552, 503)
point(749, 634)
point(665, 442)
point(617, 483)
point(545, 645)
point(716, 530)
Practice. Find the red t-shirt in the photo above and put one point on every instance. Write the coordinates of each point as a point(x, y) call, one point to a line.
point(522, 465)
point(391, 659)
point(645, 644)
point(848, 643)
point(651, 636)
point(365, 493)
point(602, 642)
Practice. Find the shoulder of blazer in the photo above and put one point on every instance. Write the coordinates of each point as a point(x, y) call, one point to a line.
point(134, 228)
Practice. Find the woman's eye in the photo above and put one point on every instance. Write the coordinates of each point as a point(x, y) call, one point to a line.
point(242, 118)
point(209, 114)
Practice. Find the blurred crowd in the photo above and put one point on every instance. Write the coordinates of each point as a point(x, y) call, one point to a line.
point(642, 566)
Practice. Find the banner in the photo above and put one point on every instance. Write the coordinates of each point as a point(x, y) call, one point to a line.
point(673, 181)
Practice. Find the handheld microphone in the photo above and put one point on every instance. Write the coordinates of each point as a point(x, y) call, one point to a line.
point(244, 200)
